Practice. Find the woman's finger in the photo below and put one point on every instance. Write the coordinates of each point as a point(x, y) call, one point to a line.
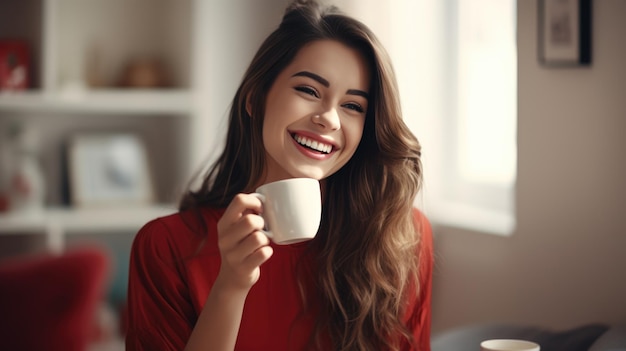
point(240, 205)
point(258, 257)
point(250, 244)
point(239, 230)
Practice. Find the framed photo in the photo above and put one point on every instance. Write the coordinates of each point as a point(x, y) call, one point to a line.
point(565, 32)
point(108, 169)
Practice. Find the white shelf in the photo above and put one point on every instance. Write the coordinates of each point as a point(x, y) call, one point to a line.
point(56, 223)
point(116, 101)
point(87, 220)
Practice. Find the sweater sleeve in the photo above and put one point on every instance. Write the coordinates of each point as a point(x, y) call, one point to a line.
point(160, 315)
point(419, 312)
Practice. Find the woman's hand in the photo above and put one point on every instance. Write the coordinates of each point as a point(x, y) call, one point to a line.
point(243, 247)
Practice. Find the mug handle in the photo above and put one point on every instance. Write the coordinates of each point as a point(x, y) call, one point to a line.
point(267, 232)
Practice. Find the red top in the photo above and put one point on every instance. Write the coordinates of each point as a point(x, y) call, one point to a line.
point(170, 280)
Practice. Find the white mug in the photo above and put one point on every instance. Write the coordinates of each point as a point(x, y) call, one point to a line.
point(292, 209)
point(508, 345)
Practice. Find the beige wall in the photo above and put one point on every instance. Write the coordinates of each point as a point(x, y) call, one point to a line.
point(226, 36)
point(565, 265)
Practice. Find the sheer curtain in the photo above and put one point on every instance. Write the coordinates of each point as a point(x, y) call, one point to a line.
point(456, 63)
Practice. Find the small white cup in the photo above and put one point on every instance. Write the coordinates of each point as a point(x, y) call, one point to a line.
point(292, 209)
point(508, 345)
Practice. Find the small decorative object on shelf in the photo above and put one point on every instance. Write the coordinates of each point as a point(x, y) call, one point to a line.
point(14, 65)
point(144, 73)
point(6, 165)
point(22, 186)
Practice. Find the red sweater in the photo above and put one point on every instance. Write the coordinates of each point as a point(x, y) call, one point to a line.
point(170, 281)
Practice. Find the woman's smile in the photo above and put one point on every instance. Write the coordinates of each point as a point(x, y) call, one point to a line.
point(313, 144)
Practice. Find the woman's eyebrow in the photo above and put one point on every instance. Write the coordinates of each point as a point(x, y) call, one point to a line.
point(313, 76)
point(325, 83)
point(358, 92)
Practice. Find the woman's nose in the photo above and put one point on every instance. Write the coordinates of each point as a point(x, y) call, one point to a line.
point(328, 119)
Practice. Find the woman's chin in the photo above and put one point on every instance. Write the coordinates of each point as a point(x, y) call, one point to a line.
point(310, 172)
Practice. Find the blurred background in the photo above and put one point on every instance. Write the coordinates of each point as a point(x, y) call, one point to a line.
point(108, 108)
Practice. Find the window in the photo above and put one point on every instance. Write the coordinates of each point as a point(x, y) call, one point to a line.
point(478, 165)
point(456, 63)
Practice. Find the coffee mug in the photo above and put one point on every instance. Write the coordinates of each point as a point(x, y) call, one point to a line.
point(508, 345)
point(292, 209)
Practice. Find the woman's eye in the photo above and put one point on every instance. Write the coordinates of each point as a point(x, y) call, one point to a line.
point(354, 106)
point(308, 90)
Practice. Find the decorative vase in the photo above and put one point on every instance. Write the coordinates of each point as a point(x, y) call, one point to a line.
point(22, 178)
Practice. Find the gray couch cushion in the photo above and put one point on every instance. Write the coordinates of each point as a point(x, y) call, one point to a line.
point(613, 340)
point(469, 338)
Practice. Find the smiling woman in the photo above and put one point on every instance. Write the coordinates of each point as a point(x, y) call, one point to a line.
point(319, 100)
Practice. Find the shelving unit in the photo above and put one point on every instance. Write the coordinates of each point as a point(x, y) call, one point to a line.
point(206, 46)
point(79, 52)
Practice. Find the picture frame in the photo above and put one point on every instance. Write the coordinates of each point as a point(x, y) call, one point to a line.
point(108, 170)
point(565, 32)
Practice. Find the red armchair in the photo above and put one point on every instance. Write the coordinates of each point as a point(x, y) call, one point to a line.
point(49, 302)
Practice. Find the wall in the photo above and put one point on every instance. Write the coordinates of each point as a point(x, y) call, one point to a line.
point(226, 36)
point(564, 265)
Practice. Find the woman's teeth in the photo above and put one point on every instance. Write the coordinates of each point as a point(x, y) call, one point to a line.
point(313, 144)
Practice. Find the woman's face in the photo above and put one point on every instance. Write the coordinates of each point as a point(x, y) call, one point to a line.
point(315, 112)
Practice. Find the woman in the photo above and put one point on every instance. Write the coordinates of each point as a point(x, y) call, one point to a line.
point(207, 278)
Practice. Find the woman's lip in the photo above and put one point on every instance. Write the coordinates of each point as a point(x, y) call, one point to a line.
point(315, 137)
point(320, 156)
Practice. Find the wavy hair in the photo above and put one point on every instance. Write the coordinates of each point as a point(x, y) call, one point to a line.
point(365, 254)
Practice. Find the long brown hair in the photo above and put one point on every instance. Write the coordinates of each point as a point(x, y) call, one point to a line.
point(365, 250)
